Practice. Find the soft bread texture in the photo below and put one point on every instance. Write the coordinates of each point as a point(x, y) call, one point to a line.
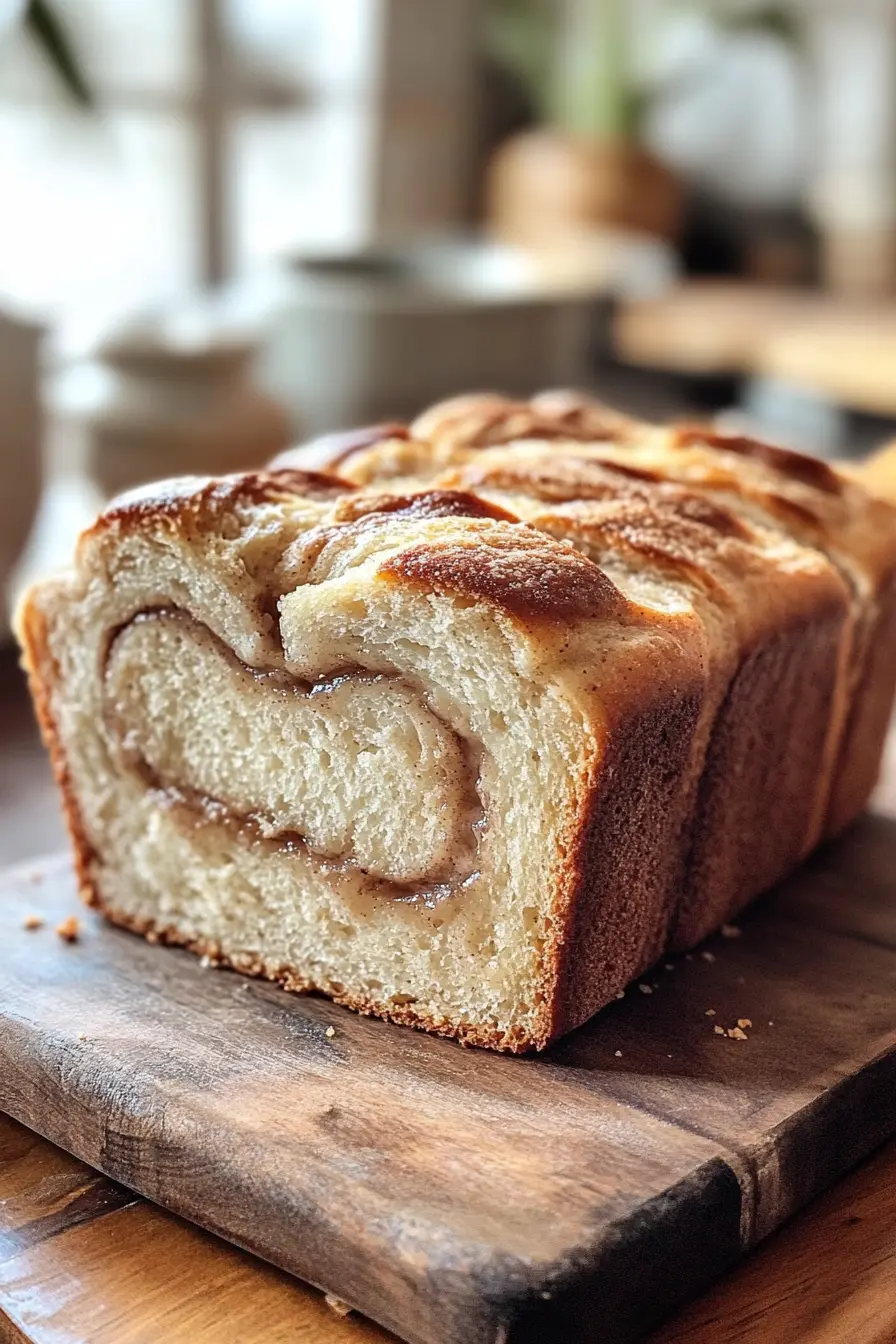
point(468, 734)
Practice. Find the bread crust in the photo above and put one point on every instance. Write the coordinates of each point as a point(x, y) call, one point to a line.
point(667, 841)
point(606, 925)
point(531, 583)
point(861, 752)
point(631, 821)
point(43, 674)
point(513, 1041)
point(38, 662)
point(201, 500)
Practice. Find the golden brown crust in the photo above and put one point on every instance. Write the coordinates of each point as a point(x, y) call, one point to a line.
point(201, 501)
point(332, 450)
point(638, 530)
point(513, 1041)
point(811, 471)
point(279, 483)
point(757, 812)
point(559, 477)
point(43, 674)
point(486, 420)
point(371, 512)
point(698, 509)
point(690, 503)
point(630, 823)
point(861, 752)
point(425, 504)
point(524, 575)
point(554, 477)
point(461, 425)
point(584, 417)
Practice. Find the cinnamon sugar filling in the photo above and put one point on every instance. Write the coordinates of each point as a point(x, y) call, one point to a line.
point(355, 770)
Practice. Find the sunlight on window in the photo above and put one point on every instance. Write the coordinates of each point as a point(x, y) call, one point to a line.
point(226, 132)
point(102, 220)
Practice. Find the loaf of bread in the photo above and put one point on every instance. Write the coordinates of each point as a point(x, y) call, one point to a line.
point(464, 724)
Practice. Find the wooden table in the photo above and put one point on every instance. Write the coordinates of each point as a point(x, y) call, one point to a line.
point(841, 350)
point(85, 1261)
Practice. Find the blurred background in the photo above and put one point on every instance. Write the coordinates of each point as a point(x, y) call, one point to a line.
point(228, 224)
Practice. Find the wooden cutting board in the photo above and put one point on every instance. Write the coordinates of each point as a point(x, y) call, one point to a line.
point(454, 1195)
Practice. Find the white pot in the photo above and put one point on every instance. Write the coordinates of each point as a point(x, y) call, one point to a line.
point(356, 339)
point(154, 404)
point(20, 443)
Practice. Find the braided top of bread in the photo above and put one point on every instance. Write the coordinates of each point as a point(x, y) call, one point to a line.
point(682, 495)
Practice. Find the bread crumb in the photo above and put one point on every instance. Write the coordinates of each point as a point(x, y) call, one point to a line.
point(618, 1054)
point(32, 922)
point(82, 1035)
point(336, 1304)
point(710, 1012)
point(330, 1031)
point(206, 960)
point(621, 994)
point(736, 1034)
point(645, 989)
point(668, 1056)
point(708, 956)
point(546, 1296)
point(69, 929)
point(771, 1024)
point(744, 1022)
point(669, 966)
point(729, 931)
point(719, 1031)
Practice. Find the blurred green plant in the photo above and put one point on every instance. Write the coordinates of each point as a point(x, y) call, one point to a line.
point(574, 58)
point(520, 34)
point(44, 26)
point(594, 91)
point(777, 20)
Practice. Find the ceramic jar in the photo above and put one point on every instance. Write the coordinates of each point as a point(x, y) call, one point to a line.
point(545, 187)
point(158, 401)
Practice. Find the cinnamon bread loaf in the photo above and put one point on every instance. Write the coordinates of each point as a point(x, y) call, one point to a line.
point(468, 733)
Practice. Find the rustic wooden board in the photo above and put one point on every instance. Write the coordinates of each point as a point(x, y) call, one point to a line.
point(454, 1195)
point(83, 1262)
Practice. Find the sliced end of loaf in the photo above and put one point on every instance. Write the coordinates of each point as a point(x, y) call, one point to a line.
point(388, 758)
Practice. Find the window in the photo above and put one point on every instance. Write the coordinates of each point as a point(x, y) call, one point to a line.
point(227, 131)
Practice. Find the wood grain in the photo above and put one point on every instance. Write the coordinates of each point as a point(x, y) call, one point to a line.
point(418, 1181)
point(825, 1279)
point(129, 1273)
point(451, 1194)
